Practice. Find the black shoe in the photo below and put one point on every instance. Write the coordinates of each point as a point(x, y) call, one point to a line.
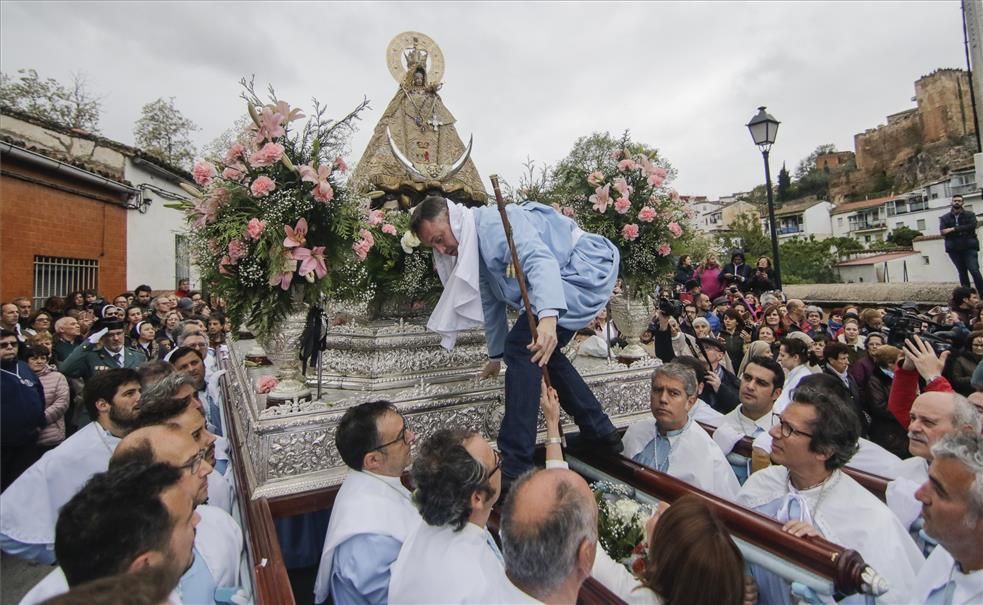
point(611, 442)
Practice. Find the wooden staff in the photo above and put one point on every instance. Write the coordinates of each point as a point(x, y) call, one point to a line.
point(519, 273)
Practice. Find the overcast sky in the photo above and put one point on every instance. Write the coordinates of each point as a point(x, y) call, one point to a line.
point(525, 78)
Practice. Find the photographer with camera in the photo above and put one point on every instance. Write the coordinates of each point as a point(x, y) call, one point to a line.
point(762, 278)
point(736, 272)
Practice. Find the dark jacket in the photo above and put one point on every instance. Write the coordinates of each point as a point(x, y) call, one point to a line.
point(964, 236)
point(959, 371)
point(22, 401)
point(683, 275)
point(855, 399)
point(739, 276)
point(759, 283)
point(723, 400)
point(884, 428)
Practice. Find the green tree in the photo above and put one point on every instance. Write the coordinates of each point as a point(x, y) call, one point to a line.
point(784, 184)
point(162, 131)
point(746, 227)
point(72, 106)
point(812, 261)
point(903, 236)
point(215, 149)
point(808, 165)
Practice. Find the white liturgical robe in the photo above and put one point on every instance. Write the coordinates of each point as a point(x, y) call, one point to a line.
point(846, 514)
point(912, 474)
point(29, 507)
point(366, 504)
point(439, 565)
point(55, 584)
point(938, 572)
point(693, 457)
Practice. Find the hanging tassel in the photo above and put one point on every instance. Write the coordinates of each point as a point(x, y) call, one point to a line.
point(313, 340)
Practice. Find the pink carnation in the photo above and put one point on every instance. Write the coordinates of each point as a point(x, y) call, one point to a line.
point(222, 263)
point(627, 164)
point(235, 151)
point(237, 250)
point(262, 186)
point(616, 154)
point(361, 248)
point(567, 211)
point(622, 205)
point(323, 192)
point(265, 384)
point(367, 236)
point(389, 229)
point(255, 228)
point(594, 179)
point(232, 173)
point(204, 172)
point(665, 249)
point(647, 214)
point(630, 232)
point(268, 155)
point(657, 176)
point(675, 229)
point(375, 217)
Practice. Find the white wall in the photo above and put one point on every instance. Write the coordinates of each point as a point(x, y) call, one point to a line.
point(815, 220)
point(150, 235)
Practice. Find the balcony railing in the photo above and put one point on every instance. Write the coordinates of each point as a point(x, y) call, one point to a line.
point(867, 225)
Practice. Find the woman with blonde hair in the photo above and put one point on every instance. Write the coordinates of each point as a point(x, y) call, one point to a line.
point(709, 276)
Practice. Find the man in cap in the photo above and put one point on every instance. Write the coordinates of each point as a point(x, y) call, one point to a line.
point(104, 349)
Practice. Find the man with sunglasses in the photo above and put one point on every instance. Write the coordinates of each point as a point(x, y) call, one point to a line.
point(805, 490)
point(373, 512)
point(450, 557)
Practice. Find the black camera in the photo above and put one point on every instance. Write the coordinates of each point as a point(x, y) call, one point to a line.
point(671, 307)
point(904, 322)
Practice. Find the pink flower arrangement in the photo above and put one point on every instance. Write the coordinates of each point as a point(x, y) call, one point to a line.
point(622, 205)
point(675, 229)
point(262, 186)
point(233, 173)
point(267, 155)
point(665, 249)
point(595, 178)
point(296, 236)
point(657, 176)
point(255, 228)
point(270, 125)
point(340, 165)
point(674, 195)
point(361, 249)
point(367, 236)
point(389, 229)
point(647, 214)
point(601, 198)
point(322, 191)
point(222, 263)
point(238, 250)
point(265, 384)
point(286, 274)
point(630, 232)
point(376, 217)
point(627, 164)
point(203, 172)
point(311, 262)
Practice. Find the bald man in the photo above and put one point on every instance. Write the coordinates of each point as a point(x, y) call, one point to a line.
point(218, 542)
point(977, 400)
point(934, 414)
point(544, 567)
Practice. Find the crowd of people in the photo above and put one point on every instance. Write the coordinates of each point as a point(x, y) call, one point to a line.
point(817, 392)
point(113, 455)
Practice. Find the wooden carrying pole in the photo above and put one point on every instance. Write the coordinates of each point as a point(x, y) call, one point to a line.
point(519, 273)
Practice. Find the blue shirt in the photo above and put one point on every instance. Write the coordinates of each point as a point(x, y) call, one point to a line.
point(360, 570)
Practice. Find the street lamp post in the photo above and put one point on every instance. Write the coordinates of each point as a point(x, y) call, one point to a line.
point(764, 129)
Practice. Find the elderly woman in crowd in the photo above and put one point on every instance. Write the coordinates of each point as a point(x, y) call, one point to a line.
point(56, 396)
point(883, 429)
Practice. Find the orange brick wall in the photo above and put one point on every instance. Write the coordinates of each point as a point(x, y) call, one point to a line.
point(39, 220)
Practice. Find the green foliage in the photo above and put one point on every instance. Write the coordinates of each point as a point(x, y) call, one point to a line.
point(811, 261)
point(48, 99)
point(784, 184)
point(163, 132)
point(903, 236)
point(807, 167)
point(754, 241)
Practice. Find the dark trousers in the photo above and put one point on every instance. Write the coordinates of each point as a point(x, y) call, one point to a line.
point(517, 435)
point(14, 461)
point(967, 263)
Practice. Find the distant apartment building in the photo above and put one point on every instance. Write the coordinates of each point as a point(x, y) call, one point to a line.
point(800, 219)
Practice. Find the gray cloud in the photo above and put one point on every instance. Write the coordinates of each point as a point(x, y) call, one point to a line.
point(526, 79)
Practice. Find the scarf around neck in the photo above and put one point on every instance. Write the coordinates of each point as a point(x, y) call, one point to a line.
point(459, 307)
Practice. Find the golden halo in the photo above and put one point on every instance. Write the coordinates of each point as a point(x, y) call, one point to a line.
point(408, 40)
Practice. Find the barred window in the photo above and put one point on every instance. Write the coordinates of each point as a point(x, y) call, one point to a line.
point(57, 276)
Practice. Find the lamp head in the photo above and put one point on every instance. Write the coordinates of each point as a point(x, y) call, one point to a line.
point(764, 129)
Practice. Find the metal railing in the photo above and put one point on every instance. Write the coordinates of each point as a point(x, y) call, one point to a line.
point(57, 276)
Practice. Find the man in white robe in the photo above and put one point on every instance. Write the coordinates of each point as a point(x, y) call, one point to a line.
point(761, 385)
point(934, 414)
point(805, 490)
point(148, 506)
point(450, 557)
point(29, 507)
point(952, 503)
point(373, 512)
point(671, 443)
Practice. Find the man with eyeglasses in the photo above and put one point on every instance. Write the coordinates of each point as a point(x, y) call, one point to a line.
point(450, 557)
point(29, 507)
point(805, 490)
point(218, 541)
point(23, 412)
point(373, 512)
